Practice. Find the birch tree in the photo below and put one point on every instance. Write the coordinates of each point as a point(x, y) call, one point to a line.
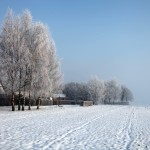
point(9, 56)
point(25, 56)
point(37, 50)
point(46, 73)
point(28, 58)
point(54, 68)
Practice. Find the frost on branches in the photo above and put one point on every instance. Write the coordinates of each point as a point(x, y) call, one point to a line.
point(98, 91)
point(29, 64)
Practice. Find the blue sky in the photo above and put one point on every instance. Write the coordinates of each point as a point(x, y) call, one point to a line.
point(108, 38)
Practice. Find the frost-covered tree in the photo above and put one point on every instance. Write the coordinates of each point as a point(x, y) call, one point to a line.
point(71, 90)
point(25, 55)
point(9, 54)
point(14, 38)
point(76, 91)
point(96, 90)
point(99, 91)
point(126, 94)
point(46, 74)
point(112, 91)
point(39, 52)
point(83, 91)
point(54, 68)
point(28, 58)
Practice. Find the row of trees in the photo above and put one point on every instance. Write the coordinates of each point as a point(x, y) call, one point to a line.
point(99, 91)
point(28, 61)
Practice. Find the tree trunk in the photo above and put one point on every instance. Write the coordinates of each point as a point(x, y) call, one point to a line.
point(13, 103)
point(38, 103)
point(23, 102)
point(29, 107)
point(30, 78)
point(19, 99)
point(12, 87)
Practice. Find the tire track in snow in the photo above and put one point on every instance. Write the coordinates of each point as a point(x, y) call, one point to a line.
point(129, 130)
point(122, 135)
point(60, 139)
point(135, 132)
point(102, 127)
point(139, 133)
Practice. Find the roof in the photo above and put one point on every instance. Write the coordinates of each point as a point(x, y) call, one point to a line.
point(59, 95)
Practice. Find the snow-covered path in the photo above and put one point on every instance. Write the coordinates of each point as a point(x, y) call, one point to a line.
point(76, 128)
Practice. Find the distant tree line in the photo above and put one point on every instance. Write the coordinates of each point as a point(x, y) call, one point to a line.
point(99, 91)
point(28, 62)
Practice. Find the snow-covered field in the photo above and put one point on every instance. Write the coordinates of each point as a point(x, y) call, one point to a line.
point(76, 128)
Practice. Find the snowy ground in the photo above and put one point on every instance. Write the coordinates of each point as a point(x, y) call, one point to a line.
point(76, 128)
